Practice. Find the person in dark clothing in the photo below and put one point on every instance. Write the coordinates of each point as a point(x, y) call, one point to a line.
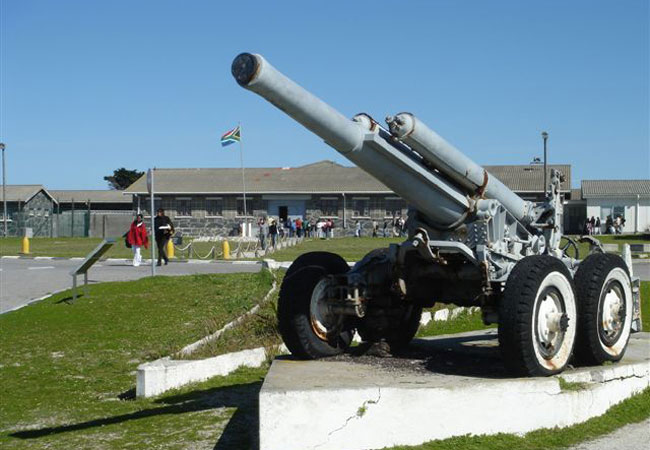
point(273, 232)
point(164, 228)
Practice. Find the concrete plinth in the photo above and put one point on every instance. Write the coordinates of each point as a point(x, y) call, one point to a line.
point(446, 386)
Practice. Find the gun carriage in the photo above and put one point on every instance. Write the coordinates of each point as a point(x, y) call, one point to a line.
point(471, 241)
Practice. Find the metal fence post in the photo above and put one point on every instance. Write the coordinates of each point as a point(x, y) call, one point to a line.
point(72, 220)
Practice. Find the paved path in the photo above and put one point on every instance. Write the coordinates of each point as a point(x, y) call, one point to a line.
point(633, 436)
point(22, 280)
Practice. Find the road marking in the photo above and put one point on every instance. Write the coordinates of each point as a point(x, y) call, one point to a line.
point(39, 268)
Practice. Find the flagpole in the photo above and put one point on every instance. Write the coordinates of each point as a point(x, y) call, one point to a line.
point(243, 179)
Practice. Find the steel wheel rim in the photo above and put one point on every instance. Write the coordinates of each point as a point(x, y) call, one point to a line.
point(320, 317)
point(612, 313)
point(550, 322)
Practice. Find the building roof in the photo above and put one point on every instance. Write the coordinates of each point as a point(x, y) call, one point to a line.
point(576, 194)
point(94, 196)
point(615, 188)
point(321, 177)
point(528, 178)
point(22, 192)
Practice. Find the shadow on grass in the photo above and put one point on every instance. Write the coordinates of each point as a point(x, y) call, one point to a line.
point(240, 433)
point(627, 237)
point(68, 299)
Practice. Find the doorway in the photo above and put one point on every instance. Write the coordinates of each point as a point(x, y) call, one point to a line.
point(283, 213)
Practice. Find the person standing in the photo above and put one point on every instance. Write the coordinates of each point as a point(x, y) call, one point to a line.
point(597, 225)
point(262, 227)
point(299, 227)
point(357, 230)
point(137, 238)
point(164, 228)
point(273, 232)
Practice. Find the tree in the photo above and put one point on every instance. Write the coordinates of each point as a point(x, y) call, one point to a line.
point(122, 178)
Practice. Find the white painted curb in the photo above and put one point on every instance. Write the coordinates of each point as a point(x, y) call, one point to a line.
point(159, 376)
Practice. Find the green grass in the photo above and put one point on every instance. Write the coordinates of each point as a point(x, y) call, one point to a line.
point(617, 239)
point(256, 330)
point(571, 385)
point(465, 321)
point(67, 372)
point(632, 410)
point(80, 247)
point(64, 367)
point(352, 249)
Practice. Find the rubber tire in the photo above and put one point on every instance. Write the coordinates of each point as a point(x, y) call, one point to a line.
point(402, 336)
point(293, 306)
point(516, 309)
point(590, 280)
point(332, 262)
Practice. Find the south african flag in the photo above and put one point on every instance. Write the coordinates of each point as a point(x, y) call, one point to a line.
point(231, 136)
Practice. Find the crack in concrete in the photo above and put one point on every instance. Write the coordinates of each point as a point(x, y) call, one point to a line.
point(620, 378)
point(587, 384)
point(359, 413)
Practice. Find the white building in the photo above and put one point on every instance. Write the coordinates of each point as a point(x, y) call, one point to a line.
point(629, 199)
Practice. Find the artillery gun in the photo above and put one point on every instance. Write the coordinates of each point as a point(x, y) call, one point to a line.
point(471, 241)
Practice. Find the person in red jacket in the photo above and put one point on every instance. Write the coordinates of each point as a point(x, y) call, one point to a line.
point(137, 237)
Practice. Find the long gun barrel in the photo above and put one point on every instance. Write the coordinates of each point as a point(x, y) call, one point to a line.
point(451, 161)
point(445, 204)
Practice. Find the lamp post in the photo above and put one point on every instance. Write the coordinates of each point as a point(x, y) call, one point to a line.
point(4, 191)
point(545, 137)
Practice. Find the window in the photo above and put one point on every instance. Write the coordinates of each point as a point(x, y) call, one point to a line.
point(394, 207)
point(213, 206)
point(183, 207)
point(619, 211)
point(360, 207)
point(249, 206)
point(146, 204)
point(329, 207)
point(613, 211)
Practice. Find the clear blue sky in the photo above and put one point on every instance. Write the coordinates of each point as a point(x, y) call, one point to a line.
point(91, 86)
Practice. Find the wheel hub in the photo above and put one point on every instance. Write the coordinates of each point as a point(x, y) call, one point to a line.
point(552, 322)
point(320, 315)
point(612, 319)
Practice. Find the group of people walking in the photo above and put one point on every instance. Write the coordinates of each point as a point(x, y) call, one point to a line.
point(612, 226)
point(271, 229)
point(395, 227)
point(137, 237)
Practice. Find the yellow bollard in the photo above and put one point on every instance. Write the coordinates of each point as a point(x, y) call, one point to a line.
point(226, 250)
point(170, 249)
point(25, 246)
